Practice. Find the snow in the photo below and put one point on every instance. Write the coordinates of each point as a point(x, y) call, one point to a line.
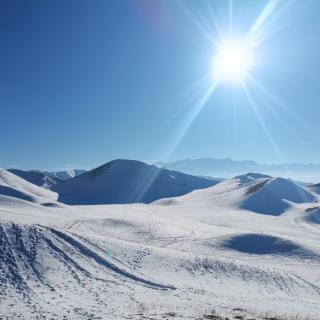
point(36, 177)
point(14, 186)
point(274, 195)
point(255, 192)
point(127, 181)
point(186, 257)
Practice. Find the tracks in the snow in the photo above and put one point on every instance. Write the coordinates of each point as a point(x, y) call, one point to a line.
point(89, 253)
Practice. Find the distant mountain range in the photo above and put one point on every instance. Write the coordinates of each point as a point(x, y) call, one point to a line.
point(228, 168)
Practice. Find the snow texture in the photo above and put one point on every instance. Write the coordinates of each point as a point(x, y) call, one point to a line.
point(190, 257)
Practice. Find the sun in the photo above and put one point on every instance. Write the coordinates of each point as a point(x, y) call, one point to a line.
point(232, 61)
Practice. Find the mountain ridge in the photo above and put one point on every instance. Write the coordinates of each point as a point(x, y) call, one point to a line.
point(127, 181)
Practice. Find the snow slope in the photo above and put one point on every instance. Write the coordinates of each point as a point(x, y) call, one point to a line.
point(274, 197)
point(36, 177)
point(127, 181)
point(255, 192)
point(157, 262)
point(14, 186)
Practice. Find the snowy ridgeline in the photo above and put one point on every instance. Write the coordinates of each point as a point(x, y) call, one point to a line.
point(245, 247)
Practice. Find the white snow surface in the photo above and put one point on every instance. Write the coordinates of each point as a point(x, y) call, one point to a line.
point(36, 177)
point(183, 258)
point(14, 186)
point(255, 192)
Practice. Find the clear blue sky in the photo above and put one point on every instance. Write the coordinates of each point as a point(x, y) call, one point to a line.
point(84, 82)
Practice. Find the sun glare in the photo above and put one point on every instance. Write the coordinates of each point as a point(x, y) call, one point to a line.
point(232, 61)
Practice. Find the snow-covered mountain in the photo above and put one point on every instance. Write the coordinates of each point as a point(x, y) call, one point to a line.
point(254, 192)
point(14, 186)
point(65, 174)
point(36, 177)
point(228, 168)
point(127, 181)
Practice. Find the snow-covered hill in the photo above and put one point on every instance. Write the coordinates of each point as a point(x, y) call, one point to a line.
point(16, 187)
point(127, 181)
point(255, 192)
point(36, 177)
point(274, 196)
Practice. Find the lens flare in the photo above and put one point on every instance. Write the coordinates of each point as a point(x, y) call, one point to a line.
point(232, 61)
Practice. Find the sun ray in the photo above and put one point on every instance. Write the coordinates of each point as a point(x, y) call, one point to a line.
point(231, 18)
point(275, 100)
point(200, 22)
point(271, 12)
point(193, 91)
point(196, 108)
point(235, 119)
point(263, 17)
point(200, 103)
point(234, 62)
point(262, 123)
point(214, 20)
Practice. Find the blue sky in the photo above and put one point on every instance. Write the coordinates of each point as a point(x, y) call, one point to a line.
point(84, 82)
